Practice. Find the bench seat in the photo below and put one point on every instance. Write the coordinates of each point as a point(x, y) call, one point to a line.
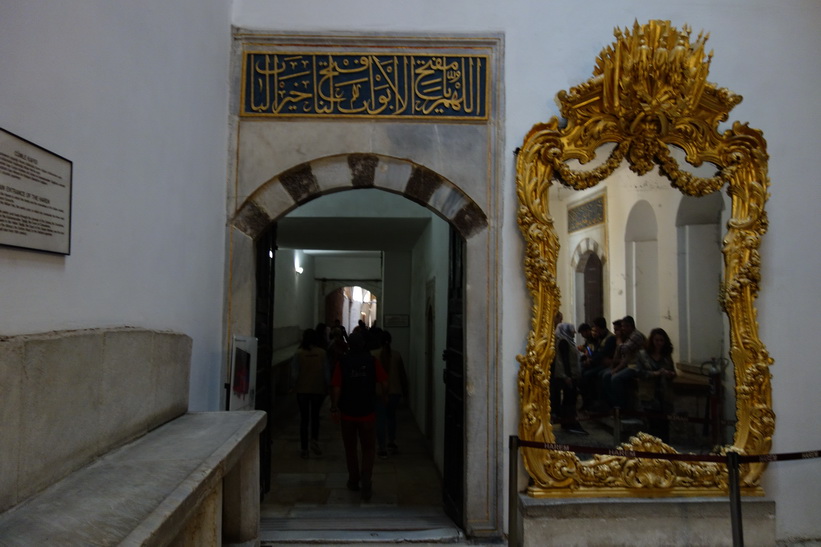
point(191, 481)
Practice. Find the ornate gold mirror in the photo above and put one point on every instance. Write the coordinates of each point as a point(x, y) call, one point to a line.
point(648, 98)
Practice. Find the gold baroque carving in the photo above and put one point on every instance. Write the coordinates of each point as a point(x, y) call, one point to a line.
point(649, 90)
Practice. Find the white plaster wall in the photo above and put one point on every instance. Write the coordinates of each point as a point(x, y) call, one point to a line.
point(396, 300)
point(430, 262)
point(340, 267)
point(765, 50)
point(135, 94)
point(295, 294)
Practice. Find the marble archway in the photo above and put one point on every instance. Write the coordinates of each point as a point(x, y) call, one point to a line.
point(312, 179)
point(297, 185)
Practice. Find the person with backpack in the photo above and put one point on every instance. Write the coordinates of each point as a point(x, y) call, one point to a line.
point(356, 378)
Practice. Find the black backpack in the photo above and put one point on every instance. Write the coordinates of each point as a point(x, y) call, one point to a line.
point(358, 384)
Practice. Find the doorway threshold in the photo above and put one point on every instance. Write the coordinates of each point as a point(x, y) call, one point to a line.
point(360, 524)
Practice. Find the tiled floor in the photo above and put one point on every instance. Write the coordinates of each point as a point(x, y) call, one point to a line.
point(309, 503)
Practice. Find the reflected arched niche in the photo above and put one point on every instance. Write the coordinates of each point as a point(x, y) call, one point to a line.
point(701, 321)
point(641, 265)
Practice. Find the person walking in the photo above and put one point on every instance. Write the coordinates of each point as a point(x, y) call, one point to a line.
point(312, 375)
point(357, 377)
point(397, 388)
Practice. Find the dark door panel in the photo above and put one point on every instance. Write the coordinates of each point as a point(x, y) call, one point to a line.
point(453, 476)
point(263, 330)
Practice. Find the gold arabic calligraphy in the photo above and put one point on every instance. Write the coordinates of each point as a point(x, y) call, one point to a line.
point(283, 84)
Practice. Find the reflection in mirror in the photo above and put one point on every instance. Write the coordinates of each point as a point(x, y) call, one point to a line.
point(634, 245)
point(654, 262)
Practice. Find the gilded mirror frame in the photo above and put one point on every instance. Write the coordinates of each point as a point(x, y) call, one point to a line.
point(649, 91)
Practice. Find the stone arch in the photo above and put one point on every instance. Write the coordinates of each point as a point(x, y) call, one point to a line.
point(312, 179)
point(330, 285)
point(582, 252)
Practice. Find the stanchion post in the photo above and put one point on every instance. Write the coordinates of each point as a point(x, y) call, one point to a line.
point(735, 499)
point(513, 493)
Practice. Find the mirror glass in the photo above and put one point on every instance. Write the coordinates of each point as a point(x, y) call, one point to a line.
point(634, 245)
point(606, 235)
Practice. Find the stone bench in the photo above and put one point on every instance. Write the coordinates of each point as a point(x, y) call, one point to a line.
point(97, 447)
point(193, 481)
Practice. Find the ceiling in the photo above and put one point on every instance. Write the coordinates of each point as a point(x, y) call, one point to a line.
point(349, 233)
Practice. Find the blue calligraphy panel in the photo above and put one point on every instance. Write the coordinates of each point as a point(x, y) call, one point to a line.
point(586, 215)
point(365, 85)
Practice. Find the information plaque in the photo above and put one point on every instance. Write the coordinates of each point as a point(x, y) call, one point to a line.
point(35, 196)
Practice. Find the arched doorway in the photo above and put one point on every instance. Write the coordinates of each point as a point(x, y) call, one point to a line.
point(702, 333)
point(588, 264)
point(593, 287)
point(307, 182)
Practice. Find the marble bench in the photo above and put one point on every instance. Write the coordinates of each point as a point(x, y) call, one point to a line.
point(193, 481)
point(97, 446)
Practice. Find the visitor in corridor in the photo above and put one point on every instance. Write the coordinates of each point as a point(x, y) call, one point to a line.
point(338, 325)
point(355, 380)
point(397, 389)
point(311, 372)
point(323, 335)
point(373, 339)
point(338, 345)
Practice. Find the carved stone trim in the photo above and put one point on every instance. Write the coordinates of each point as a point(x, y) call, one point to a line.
point(312, 179)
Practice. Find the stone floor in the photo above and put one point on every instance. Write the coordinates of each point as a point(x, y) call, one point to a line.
point(309, 503)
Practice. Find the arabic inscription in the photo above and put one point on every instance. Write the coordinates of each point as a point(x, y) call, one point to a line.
point(365, 85)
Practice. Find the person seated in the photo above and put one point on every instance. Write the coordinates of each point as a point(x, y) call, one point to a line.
point(655, 373)
point(592, 365)
point(589, 341)
point(618, 380)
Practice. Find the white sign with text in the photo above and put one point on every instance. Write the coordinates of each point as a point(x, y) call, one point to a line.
point(35, 196)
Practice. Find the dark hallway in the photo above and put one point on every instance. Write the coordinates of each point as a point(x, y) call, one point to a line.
point(309, 503)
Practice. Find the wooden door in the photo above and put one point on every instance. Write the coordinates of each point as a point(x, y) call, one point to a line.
point(454, 429)
point(593, 289)
point(265, 249)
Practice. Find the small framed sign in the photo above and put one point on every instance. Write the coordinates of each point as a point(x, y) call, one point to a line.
point(396, 320)
point(35, 196)
point(242, 388)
